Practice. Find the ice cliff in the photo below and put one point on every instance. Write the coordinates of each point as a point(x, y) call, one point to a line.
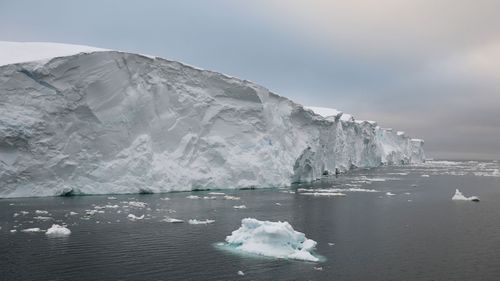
point(115, 122)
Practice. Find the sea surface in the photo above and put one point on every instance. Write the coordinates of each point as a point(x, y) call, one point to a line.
point(406, 228)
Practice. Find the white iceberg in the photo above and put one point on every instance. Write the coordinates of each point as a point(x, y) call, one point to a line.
point(272, 239)
point(58, 231)
point(458, 196)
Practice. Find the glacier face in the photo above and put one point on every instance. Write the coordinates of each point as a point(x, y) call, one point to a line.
point(113, 122)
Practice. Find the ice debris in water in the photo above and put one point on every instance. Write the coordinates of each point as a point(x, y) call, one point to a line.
point(193, 197)
point(459, 196)
point(240, 207)
point(34, 229)
point(41, 212)
point(323, 193)
point(172, 220)
point(136, 204)
point(272, 239)
point(241, 273)
point(425, 176)
point(133, 217)
point(390, 194)
point(195, 221)
point(58, 231)
point(229, 197)
point(111, 198)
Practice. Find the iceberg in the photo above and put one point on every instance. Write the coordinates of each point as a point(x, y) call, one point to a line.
point(95, 121)
point(458, 196)
point(272, 239)
point(58, 231)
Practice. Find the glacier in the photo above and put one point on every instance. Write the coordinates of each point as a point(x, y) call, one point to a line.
point(95, 121)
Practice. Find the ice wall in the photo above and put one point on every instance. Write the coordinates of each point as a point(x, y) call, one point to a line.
point(113, 122)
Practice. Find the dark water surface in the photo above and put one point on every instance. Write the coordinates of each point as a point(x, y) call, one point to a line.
point(417, 234)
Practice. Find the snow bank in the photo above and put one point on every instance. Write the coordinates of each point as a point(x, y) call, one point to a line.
point(58, 231)
point(272, 239)
point(458, 196)
point(110, 122)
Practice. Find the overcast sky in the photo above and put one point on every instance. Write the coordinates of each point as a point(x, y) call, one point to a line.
point(428, 67)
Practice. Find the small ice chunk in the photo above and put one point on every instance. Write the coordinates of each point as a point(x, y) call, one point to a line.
point(229, 197)
point(323, 193)
point(165, 198)
point(193, 197)
point(133, 217)
point(172, 220)
point(240, 207)
point(241, 273)
point(112, 206)
point(41, 212)
point(460, 197)
point(13, 231)
point(425, 176)
point(318, 268)
point(331, 244)
point(217, 193)
point(272, 239)
point(389, 193)
point(111, 198)
point(15, 215)
point(24, 213)
point(137, 204)
point(195, 221)
point(277, 204)
point(73, 213)
point(34, 229)
point(209, 197)
point(58, 231)
point(40, 218)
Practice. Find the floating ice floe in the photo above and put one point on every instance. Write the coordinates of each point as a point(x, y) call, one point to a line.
point(351, 189)
point(33, 229)
point(165, 198)
point(172, 220)
point(460, 197)
point(425, 176)
point(389, 193)
point(13, 231)
point(229, 197)
point(41, 212)
point(40, 218)
point(217, 193)
point(195, 221)
point(240, 273)
point(133, 217)
point(111, 198)
point(323, 193)
point(272, 239)
point(240, 207)
point(58, 231)
point(136, 204)
point(193, 197)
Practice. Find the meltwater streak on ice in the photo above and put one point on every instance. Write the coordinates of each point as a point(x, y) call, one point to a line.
point(114, 122)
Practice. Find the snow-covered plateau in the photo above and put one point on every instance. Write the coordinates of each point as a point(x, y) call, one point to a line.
point(94, 121)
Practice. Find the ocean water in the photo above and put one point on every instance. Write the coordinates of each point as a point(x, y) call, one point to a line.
point(418, 233)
